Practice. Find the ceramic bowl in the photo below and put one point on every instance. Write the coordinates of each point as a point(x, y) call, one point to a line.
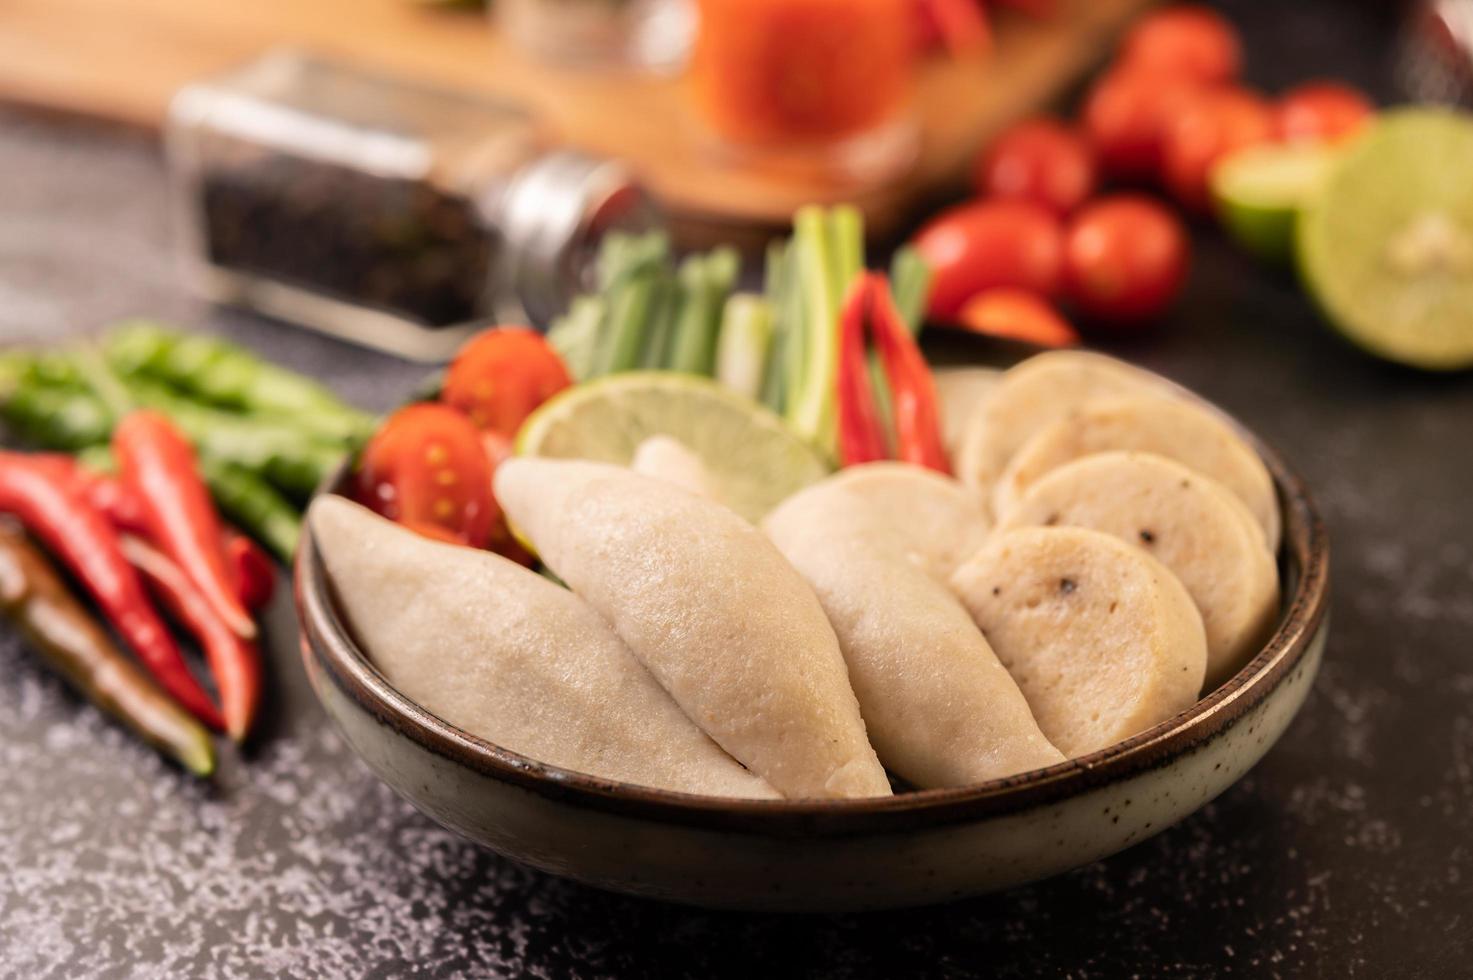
point(910, 849)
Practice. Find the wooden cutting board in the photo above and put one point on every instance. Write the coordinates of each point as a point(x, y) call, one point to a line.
point(123, 61)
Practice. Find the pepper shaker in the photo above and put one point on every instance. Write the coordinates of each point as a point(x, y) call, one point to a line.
point(396, 215)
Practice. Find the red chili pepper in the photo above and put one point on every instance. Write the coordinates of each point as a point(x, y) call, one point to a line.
point(157, 465)
point(75, 532)
point(117, 502)
point(912, 389)
point(235, 662)
point(961, 24)
point(253, 571)
point(861, 437)
point(102, 491)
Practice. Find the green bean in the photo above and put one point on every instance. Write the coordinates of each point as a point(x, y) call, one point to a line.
point(229, 376)
point(56, 418)
point(292, 461)
point(254, 506)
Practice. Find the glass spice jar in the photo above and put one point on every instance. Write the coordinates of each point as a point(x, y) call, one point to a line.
point(395, 215)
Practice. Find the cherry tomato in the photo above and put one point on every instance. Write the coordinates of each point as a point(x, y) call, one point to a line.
point(1124, 116)
point(986, 244)
point(502, 541)
point(1322, 112)
point(1212, 125)
point(1185, 41)
point(1018, 315)
point(1125, 258)
point(426, 468)
point(500, 376)
point(1040, 160)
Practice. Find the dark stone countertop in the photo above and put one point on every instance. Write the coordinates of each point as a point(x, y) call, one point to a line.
point(1348, 852)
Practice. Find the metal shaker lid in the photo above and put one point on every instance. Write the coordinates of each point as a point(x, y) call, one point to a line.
point(552, 215)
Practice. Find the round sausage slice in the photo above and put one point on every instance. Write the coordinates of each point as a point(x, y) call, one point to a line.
point(1031, 395)
point(1190, 434)
point(1102, 639)
point(1188, 522)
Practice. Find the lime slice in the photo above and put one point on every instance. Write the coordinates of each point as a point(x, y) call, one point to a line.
point(1386, 244)
point(1260, 191)
point(753, 457)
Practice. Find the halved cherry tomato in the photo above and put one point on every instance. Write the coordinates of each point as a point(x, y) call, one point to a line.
point(1322, 112)
point(1213, 124)
point(1040, 160)
point(1018, 315)
point(499, 449)
point(986, 244)
point(426, 468)
point(1125, 258)
point(1185, 41)
point(500, 376)
point(1124, 116)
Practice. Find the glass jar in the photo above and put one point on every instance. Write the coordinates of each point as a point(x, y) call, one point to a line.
point(396, 215)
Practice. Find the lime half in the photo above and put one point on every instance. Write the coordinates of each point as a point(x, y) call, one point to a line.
point(1386, 244)
point(752, 456)
point(1260, 191)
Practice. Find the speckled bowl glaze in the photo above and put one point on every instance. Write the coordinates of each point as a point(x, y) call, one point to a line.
point(911, 849)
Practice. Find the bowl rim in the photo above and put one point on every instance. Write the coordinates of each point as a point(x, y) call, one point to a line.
point(1304, 553)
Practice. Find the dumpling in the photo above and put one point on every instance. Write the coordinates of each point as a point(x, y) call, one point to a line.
point(1190, 434)
point(961, 392)
point(503, 653)
point(716, 613)
point(1102, 639)
point(930, 518)
point(876, 543)
point(1031, 395)
point(1187, 521)
point(669, 459)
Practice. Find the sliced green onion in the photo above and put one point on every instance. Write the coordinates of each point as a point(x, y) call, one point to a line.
point(910, 284)
point(575, 335)
point(741, 350)
point(622, 336)
point(811, 409)
point(776, 289)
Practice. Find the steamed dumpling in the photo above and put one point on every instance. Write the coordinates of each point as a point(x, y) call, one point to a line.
point(961, 392)
point(876, 543)
point(716, 613)
point(669, 459)
point(929, 518)
point(503, 653)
